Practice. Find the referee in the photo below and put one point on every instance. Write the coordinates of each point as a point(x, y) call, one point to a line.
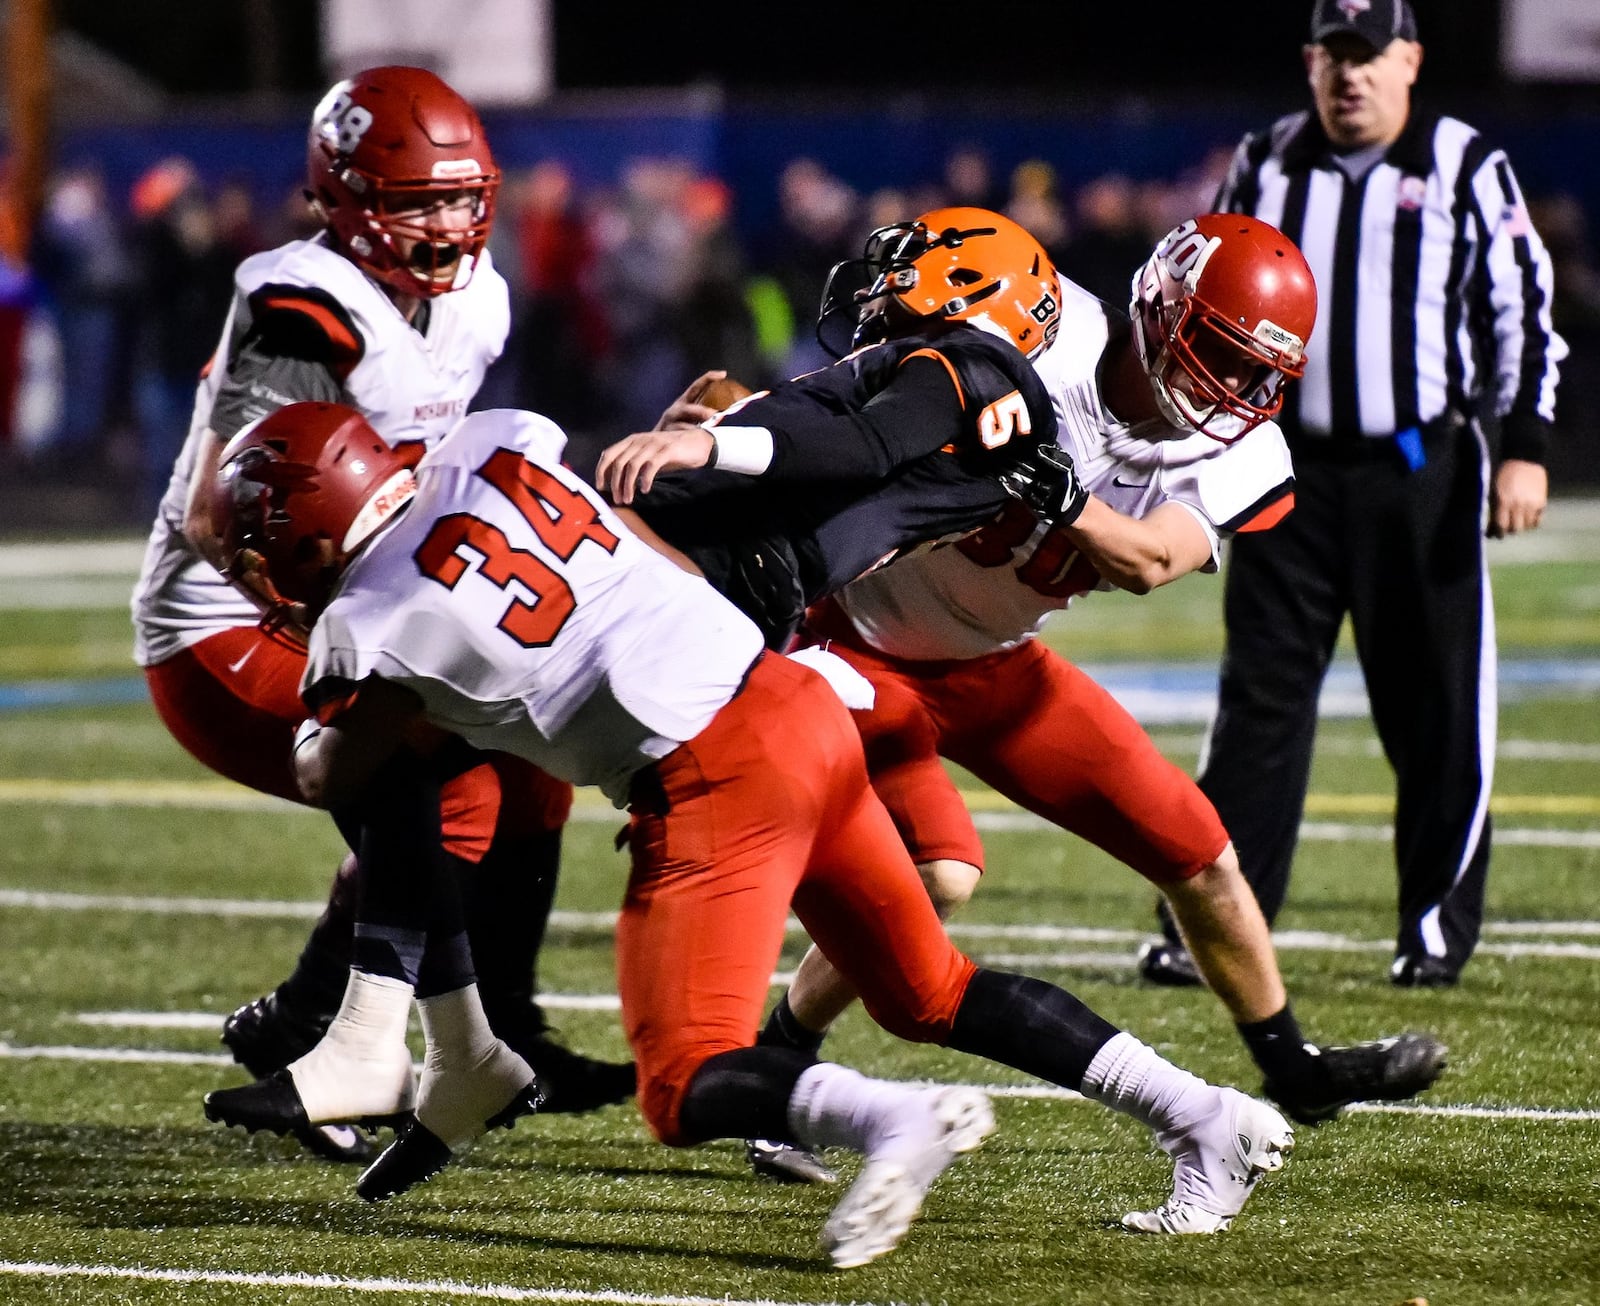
point(1434, 307)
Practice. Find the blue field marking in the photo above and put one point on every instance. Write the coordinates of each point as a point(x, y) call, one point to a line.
point(30, 695)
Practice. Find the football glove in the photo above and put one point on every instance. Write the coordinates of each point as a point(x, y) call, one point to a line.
point(1046, 480)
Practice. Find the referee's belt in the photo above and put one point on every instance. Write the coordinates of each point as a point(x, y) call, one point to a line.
point(1408, 448)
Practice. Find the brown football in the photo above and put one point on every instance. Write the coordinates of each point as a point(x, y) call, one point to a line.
point(720, 394)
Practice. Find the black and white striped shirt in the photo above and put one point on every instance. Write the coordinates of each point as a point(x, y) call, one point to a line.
point(1433, 287)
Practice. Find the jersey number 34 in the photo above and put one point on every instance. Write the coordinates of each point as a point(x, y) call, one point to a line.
point(562, 517)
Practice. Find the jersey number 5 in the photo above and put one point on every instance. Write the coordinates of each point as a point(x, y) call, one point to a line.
point(563, 518)
point(1004, 418)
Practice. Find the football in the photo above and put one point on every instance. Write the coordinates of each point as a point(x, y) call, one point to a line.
point(720, 394)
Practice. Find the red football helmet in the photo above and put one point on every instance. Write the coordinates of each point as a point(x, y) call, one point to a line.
point(1221, 315)
point(388, 149)
point(949, 265)
point(298, 493)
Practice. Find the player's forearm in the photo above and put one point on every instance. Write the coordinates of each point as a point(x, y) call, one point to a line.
point(918, 414)
point(333, 763)
point(1130, 553)
point(198, 521)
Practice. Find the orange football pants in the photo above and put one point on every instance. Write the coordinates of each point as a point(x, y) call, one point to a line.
point(233, 701)
point(1035, 728)
point(768, 806)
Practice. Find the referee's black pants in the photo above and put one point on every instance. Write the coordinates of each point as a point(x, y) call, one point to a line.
point(1402, 552)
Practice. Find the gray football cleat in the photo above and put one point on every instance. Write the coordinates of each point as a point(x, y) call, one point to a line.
point(1216, 1165)
point(787, 1163)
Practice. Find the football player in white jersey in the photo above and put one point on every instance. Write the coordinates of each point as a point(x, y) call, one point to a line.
point(1167, 421)
point(396, 309)
point(495, 596)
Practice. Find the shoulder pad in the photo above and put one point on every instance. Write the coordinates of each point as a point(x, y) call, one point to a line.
point(304, 322)
point(985, 370)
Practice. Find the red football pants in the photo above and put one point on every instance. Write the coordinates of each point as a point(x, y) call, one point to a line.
point(768, 805)
point(233, 701)
point(1035, 728)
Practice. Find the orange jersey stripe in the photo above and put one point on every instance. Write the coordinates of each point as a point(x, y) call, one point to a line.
point(1269, 516)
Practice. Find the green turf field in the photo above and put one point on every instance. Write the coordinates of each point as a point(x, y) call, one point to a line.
point(142, 899)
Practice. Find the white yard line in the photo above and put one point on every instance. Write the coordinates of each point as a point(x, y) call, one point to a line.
point(967, 931)
point(429, 1288)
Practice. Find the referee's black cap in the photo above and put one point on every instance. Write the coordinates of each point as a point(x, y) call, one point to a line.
point(1377, 22)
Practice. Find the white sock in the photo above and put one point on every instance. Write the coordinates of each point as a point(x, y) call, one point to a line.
point(362, 1064)
point(834, 1106)
point(468, 1075)
point(454, 1028)
point(1133, 1078)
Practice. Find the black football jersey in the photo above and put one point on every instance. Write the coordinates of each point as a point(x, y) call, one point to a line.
point(896, 445)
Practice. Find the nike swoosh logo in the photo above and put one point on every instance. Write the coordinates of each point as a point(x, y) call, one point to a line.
point(248, 654)
point(1130, 485)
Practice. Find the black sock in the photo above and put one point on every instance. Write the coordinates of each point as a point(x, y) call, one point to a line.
point(1278, 1046)
point(784, 1030)
point(508, 897)
point(407, 881)
point(316, 985)
point(1030, 1025)
point(743, 1094)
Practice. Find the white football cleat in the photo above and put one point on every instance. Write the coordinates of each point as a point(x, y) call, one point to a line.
point(931, 1128)
point(1216, 1165)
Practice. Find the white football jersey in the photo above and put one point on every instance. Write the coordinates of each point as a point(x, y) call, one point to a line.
point(408, 385)
point(517, 606)
point(995, 588)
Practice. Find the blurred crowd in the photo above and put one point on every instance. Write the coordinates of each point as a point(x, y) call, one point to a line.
point(621, 293)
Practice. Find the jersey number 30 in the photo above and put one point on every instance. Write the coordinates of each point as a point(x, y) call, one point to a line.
point(562, 517)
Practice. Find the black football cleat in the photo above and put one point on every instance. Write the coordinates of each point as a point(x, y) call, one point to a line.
point(1168, 964)
point(572, 1083)
point(1413, 971)
point(273, 1104)
point(415, 1156)
point(1384, 1070)
point(785, 1163)
point(266, 1034)
point(417, 1153)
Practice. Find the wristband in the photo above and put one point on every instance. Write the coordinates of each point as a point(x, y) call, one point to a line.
point(307, 730)
point(743, 449)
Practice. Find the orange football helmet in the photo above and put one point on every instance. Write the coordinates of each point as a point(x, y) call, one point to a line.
point(949, 265)
point(1221, 315)
point(385, 147)
point(298, 494)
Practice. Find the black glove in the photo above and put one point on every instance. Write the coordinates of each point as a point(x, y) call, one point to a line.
point(1046, 480)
